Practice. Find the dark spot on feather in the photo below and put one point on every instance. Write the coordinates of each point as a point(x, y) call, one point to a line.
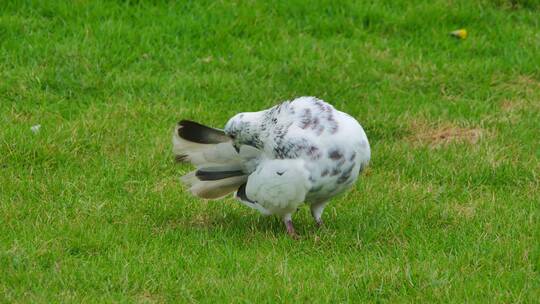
point(345, 174)
point(280, 152)
point(280, 173)
point(335, 154)
point(254, 142)
point(342, 179)
point(353, 155)
point(333, 124)
point(315, 123)
point(313, 152)
point(325, 172)
point(328, 109)
point(335, 171)
point(305, 120)
point(319, 105)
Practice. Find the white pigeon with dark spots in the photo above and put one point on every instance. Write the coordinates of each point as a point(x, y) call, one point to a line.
point(300, 151)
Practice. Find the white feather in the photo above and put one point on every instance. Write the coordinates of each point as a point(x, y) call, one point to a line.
point(205, 154)
point(218, 188)
point(279, 186)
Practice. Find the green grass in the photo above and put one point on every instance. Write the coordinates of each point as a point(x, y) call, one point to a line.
point(91, 208)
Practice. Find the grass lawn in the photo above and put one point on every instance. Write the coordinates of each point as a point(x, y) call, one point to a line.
point(91, 208)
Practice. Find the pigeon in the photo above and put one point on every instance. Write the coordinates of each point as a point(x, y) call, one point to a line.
point(302, 151)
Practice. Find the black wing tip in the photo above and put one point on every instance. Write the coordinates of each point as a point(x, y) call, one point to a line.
point(188, 123)
point(241, 194)
point(181, 158)
point(204, 175)
point(199, 133)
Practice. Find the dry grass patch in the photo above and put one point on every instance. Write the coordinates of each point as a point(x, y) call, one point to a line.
point(443, 134)
point(525, 91)
point(524, 87)
point(517, 105)
point(464, 211)
point(509, 106)
point(528, 81)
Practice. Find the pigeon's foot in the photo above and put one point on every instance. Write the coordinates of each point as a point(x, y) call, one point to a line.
point(290, 229)
point(316, 212)
point(287, 219)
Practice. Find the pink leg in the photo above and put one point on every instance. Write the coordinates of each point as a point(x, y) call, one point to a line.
point(289, 225)
point(316, 212)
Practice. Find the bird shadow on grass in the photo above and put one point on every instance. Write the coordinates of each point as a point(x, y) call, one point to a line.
point(243, 226)
point(246, 230)
point(235, 224)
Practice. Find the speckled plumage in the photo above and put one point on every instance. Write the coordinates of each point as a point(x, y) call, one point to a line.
point(332, 144)
point(300, 151)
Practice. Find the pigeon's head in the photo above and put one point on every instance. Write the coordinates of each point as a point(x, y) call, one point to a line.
point(243, 129)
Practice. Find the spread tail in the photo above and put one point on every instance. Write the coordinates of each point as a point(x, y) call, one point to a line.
point(202, 145)
point(210, 183)
point(211, 151)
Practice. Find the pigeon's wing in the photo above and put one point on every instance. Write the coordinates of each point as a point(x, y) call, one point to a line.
point(278, 186)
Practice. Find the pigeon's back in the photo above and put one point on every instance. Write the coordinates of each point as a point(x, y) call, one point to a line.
point(332, 143)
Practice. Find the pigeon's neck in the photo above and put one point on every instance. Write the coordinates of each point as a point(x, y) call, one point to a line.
point(253, 136)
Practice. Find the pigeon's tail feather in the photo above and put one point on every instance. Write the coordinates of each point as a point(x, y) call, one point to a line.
point(211, 174)
point(201, 134)
point(212, 183)
point(220, 167)
point(202, 145)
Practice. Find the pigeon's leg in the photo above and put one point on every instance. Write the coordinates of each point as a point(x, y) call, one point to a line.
point(316, 212)
point(287, 219)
